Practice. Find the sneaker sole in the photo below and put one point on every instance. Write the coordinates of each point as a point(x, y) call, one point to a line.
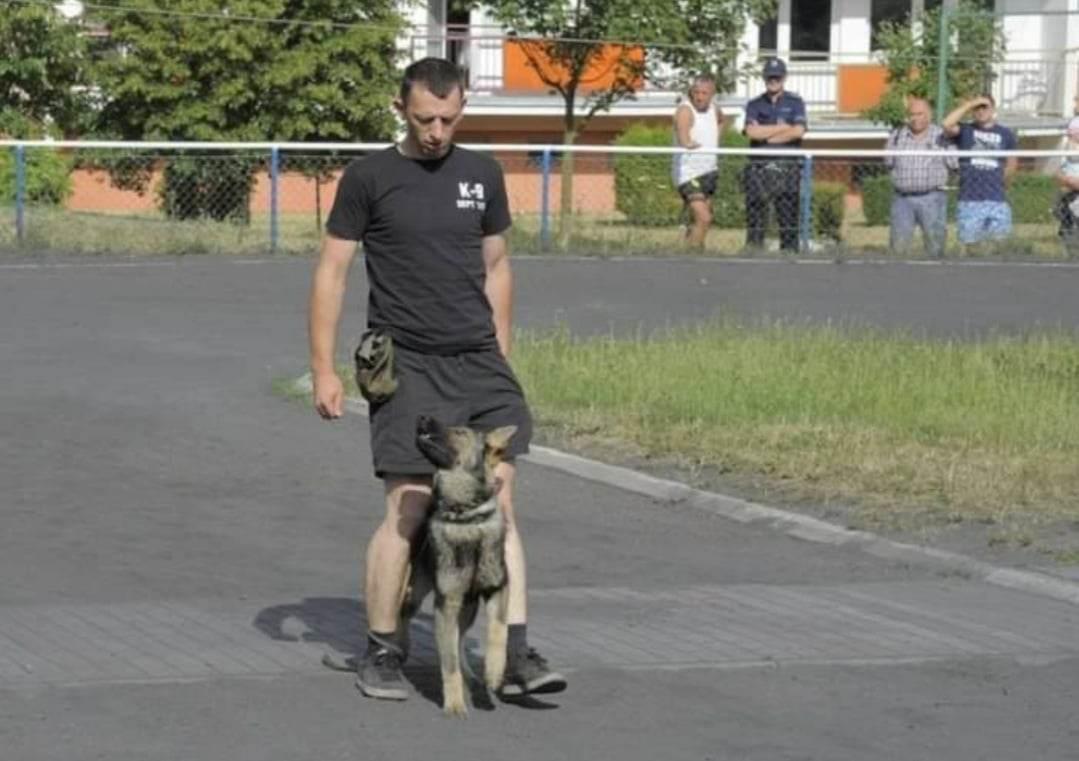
point(382, 693)
point(544, 685)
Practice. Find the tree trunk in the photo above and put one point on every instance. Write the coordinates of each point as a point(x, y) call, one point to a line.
point(565, 208)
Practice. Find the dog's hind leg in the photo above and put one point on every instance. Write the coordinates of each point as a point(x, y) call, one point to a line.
point(494, 659)
point(447, 637)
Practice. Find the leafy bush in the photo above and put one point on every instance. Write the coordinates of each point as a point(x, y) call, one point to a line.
point(729, 203)
point(828, 205)
point(48, 176)
point(1032, 196)
point(644, 187)
point(877, 200)
point(209, 187)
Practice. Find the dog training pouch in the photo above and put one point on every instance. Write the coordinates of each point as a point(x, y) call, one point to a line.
point(374, 366)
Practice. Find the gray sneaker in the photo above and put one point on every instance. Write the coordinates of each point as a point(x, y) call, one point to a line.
point(379, 675)
point(527, 673)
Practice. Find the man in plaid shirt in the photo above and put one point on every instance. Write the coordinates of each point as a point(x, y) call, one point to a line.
point(919, 199)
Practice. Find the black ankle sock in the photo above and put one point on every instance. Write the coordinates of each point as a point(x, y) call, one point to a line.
point(517, 639)
point(375, 640)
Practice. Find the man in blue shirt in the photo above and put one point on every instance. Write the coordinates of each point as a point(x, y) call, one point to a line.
point(774, 120)
point(983, 212)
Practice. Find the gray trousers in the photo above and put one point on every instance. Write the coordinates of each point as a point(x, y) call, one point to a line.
point(928, 211)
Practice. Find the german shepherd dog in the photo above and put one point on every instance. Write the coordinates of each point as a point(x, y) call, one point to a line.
point(460, 553)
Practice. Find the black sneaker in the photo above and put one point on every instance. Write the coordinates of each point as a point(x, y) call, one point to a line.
point(379, 675)
point(527, 672)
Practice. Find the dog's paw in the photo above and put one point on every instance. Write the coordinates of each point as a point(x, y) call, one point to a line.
point(455, 708)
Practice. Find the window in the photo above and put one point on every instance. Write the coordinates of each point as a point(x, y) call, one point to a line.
point(811, 29)
point(887, 11)
point(768, 36)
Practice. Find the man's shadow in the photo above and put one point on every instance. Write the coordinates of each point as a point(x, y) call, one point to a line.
point(340, 625)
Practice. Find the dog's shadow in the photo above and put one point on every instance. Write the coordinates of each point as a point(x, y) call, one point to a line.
point(340, 625)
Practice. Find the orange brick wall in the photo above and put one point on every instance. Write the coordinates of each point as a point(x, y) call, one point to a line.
point(593, 191)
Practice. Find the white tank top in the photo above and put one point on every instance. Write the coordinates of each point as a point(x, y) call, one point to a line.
point(705, 133)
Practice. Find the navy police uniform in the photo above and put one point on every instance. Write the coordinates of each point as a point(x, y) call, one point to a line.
point(771, 180)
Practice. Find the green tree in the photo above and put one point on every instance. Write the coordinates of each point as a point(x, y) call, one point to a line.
point(912, 54)
point(43, 73)
point(564, 43)
point(247, 70)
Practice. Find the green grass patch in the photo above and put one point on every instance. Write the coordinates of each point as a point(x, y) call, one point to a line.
point(908, 431)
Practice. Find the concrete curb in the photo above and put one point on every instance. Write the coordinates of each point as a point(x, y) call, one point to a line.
point(790, 523)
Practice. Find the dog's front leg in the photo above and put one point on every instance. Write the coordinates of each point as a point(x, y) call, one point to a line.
point(494, 659)
point(447, 638)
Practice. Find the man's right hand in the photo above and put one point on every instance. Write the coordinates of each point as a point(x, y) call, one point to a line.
point(329, 396)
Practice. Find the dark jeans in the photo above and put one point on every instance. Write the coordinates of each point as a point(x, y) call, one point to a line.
point(772, 184)
point(1069, 224)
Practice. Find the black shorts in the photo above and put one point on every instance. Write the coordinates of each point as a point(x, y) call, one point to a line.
point(476, 389)
point(705, 185)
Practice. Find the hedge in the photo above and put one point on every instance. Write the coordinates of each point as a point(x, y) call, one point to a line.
point(877, 200)
point(48, 177)
point(1031, 195)
point(644, 187)
point(829, 205)
point(217, 188)
point(644, 190)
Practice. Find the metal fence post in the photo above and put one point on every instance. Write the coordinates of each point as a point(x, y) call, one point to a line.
point(275, 166)
point(942, 65)
point(20, 193)
point(545, 203)
point(805, 226)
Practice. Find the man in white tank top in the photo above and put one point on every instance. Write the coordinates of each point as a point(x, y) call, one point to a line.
point(697, 124)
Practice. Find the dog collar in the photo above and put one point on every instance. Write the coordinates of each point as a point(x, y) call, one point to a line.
point(473, 515)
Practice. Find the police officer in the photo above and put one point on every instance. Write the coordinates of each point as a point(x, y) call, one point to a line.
point(775, 119)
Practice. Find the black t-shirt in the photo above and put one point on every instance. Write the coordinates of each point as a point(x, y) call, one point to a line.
point(422, 223)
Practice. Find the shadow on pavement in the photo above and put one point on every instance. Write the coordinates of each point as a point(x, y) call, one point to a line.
point(340, 624)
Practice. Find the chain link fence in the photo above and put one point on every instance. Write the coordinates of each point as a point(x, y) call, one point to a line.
point(264, 199)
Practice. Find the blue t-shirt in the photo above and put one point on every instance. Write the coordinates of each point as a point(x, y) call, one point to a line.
point(982, 179)
point(788, 107)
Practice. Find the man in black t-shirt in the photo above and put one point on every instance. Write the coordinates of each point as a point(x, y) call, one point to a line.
point(432, 219)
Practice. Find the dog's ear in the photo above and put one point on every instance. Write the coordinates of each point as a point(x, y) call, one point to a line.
point(498, 439)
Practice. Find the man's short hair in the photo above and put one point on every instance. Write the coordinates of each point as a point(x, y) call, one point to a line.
point(989, 97)
point(703, 79)
point(438, 75)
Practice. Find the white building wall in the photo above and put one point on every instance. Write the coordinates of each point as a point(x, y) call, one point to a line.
point(1038, 73)
point(850, 30)
point(485, 53)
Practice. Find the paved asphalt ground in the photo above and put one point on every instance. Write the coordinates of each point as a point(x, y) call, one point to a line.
point(179, 545)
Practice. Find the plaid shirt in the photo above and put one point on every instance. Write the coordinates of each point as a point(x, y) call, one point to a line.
point(919, 174)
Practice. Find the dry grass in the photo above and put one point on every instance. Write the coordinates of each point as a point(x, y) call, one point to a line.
point(150, 233)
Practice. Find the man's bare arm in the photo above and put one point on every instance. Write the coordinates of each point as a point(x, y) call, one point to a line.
point(950, 125)
point(499, 288)
point(1067, 183)
point(1010, 168)
point(327, 297)
point(683, 122)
